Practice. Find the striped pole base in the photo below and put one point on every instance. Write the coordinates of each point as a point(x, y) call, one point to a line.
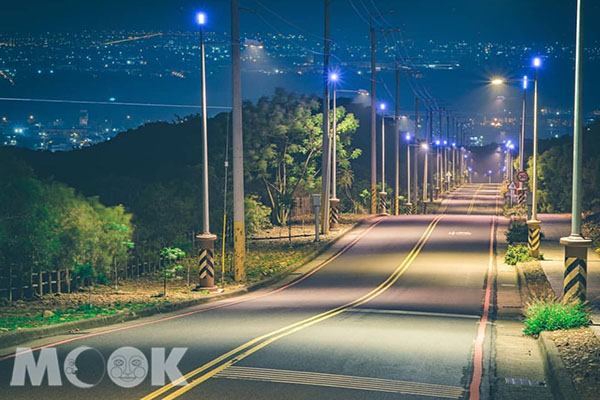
point(206, 262)
point(575, 276)
point(533, 237)
point(334, 214)
point(383, 206)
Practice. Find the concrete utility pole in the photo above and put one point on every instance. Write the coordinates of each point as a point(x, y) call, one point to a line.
point(397, 147)
point(415, 179)
point(373, 121)
point(206, 240)
point(239, 230)
point(326, 156)
point(575, 245)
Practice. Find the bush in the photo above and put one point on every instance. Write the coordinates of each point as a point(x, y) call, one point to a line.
point(514, 211)
point(550, 315)
point(517, 232)
point(257, 214)
point(516, 254)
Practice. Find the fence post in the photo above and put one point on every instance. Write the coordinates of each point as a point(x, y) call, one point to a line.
point(10, 297)
point(40, 280)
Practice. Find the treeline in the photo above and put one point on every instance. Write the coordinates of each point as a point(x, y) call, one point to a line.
point(555, 167)
point(45, 226)
point(154, 171)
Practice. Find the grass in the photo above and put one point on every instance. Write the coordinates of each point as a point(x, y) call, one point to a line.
point(516, 254)
point(551, 315)
point(84, 311)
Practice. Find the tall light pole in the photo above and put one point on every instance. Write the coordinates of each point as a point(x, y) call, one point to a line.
point(239, 230)
point(326, 147)
point(534, 233)
point(383, 193)
point(574, 284)
point(206, 240)
point(334, 201)
point(408, 197)
point(334, 78)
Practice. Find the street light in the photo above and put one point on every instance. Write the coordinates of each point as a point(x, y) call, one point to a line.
point(497, 81)
point(383, 194)
point(333, 200)
point(206, 240)
point(533, 224)
point(333, 79)
point(575, 244)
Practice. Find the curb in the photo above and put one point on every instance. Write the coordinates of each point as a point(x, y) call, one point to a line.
point(16, 337)
point(522, 281)
point(558, 378)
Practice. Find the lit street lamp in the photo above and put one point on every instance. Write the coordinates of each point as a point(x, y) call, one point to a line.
point(206, 240)
point(533, 224)
point(334, 202)
point(383, 193)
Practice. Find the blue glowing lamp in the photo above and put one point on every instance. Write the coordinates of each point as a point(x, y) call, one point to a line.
point(201, 18)
point(537, 62)
point(525, 82)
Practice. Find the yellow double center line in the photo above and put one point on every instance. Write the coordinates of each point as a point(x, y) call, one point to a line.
point(211, 368)
point(472, 205)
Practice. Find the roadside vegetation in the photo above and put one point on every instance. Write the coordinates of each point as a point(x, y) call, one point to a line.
point(551, 315)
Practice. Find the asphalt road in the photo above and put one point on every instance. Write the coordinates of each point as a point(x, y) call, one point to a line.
point(401, 313)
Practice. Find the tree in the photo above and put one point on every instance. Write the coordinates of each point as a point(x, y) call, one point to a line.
point(283, 142)
point(170, 256)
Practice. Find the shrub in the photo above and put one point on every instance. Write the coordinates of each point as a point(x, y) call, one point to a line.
point(517, 232)
point(550, 315)
point(515, 211)
point(257, 214)
point(516, 254)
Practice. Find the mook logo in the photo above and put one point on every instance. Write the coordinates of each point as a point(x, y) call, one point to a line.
point(127, 367)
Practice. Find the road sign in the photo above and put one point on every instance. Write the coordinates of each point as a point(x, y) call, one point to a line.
point(512, 186)
point(522, 176)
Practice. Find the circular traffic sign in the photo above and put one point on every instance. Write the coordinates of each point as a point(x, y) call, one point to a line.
point(522, 176)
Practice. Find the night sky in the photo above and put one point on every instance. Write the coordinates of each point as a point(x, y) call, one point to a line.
point(495, 20)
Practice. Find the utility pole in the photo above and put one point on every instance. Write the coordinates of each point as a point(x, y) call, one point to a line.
point(239, 230)
point(576, 245)
point(397, 147)
point(326, 156)
point(373, 121)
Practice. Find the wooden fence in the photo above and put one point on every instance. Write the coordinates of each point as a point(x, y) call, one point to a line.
point(14, 286)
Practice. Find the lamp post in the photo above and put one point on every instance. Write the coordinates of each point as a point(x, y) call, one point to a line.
point(206, 240)
point(333, 200)
point(438, 163)
point(533, 224)
point(574, 284)
point(383, 193)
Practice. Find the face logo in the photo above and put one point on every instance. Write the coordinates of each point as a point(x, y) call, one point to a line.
point(127, 367)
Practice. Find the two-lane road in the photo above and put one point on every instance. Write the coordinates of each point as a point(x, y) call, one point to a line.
point(402, 312)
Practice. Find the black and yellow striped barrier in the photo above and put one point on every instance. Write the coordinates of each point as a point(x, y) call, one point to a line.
point(534, 237)
point(575, 276)
point(334, 214)
point(383, 205)
point(206, 262)
point(574, 282)
point(373, 199)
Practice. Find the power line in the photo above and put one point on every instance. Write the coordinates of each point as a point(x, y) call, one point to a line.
point(108, 103)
